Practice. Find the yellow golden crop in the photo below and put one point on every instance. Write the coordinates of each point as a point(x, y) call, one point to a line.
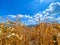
point(42, 34)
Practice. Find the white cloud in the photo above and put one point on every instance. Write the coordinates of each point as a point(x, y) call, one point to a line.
point(57, 18)
point(36, 18)
point(48, 17)
point(54, 8)
point(28, 16)
point(19, 15)
point(33, 21)
point(38, 15)
point(58, 3)
point(12, 16)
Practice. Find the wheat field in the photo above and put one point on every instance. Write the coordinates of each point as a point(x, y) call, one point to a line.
point(42, 34)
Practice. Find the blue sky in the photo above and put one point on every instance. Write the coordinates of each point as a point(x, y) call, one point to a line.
point(30, 10)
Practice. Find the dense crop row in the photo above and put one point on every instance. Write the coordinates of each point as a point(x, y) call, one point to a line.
point(42, 34)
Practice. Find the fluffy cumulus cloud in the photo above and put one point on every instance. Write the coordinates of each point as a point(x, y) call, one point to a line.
point(58, 18)
point(20, 16)
point(12, 16)
point(53, 9)
point(28, 16)
point(38, 15)
point(36, 18)
point(48, 14)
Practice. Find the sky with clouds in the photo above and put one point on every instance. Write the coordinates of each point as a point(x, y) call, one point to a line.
point(30, 11)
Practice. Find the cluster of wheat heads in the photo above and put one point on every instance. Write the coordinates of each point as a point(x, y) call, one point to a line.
point(42, 34)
